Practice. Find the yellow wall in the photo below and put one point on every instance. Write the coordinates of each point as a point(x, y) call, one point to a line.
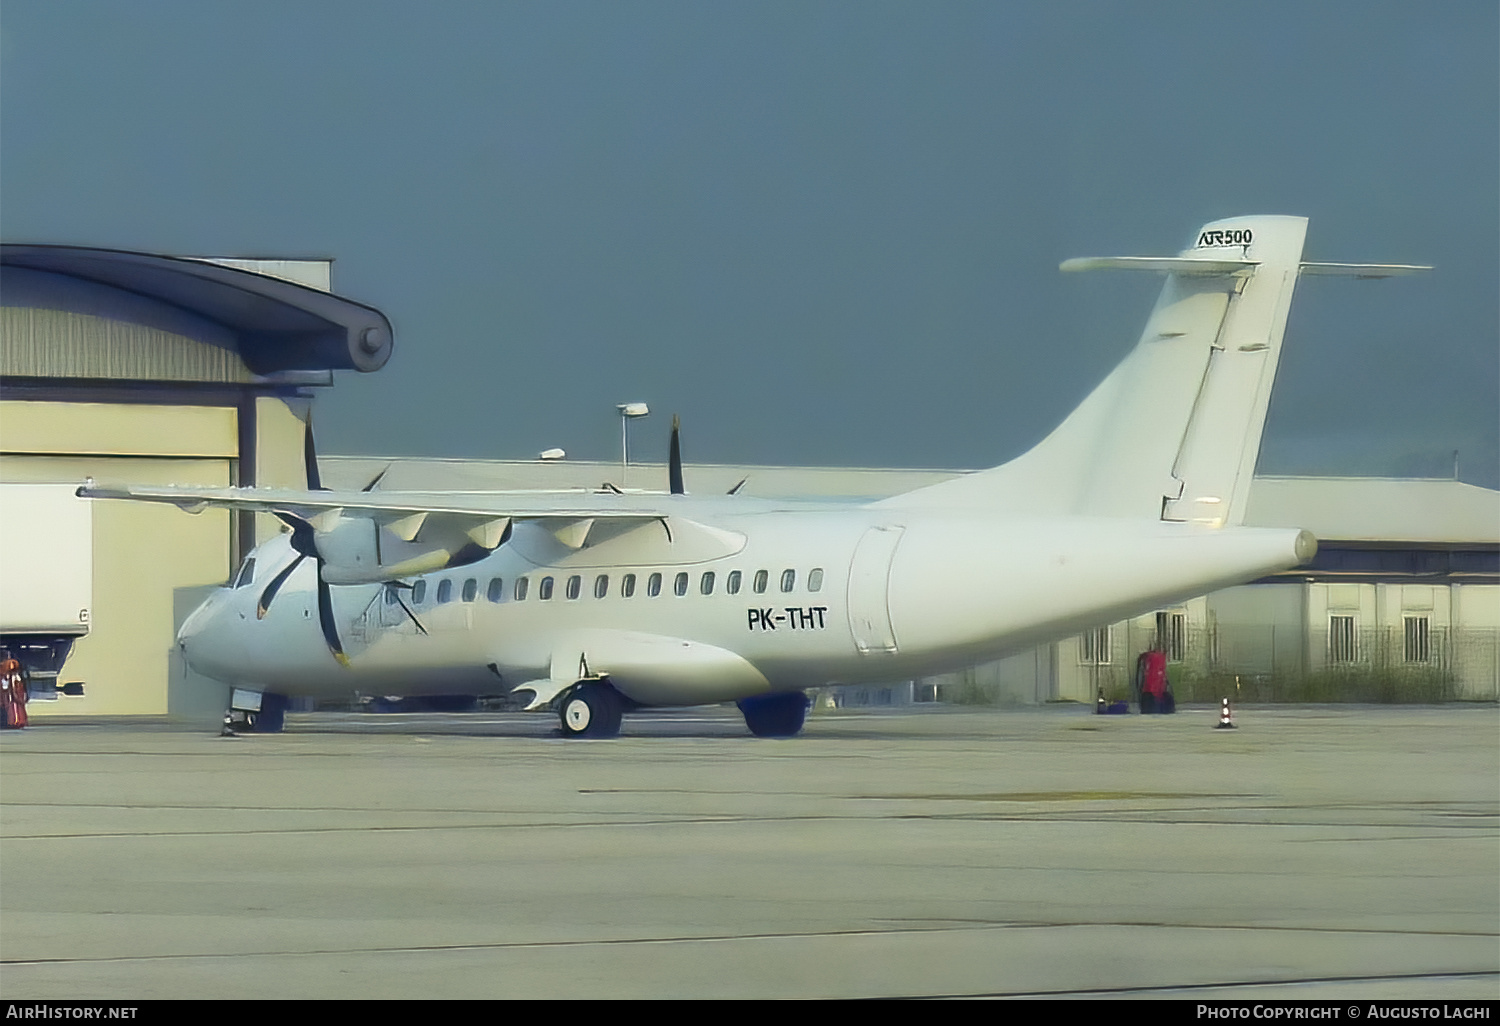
point(279, 433)
point(117, 429)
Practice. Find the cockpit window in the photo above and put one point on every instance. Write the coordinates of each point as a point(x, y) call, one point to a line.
point(246, 574)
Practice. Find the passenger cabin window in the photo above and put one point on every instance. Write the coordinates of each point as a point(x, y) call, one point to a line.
point(246, 574)
point(679, 586)
point(419, 592)
point(544, 590)
point(471, 589)
point(760, 581)
point(497, 590)
point(653, 585)
point(706, 583)
point(445, 591)
point(627, 586)
point(521, 583)
point(788, 580)
point(732, 582)
point(575, 586)
point(815, 580)
point(601, 586)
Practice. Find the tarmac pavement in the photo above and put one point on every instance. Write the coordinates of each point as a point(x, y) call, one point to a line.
point(1337, 852)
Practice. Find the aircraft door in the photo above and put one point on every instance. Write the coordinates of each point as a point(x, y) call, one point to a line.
point(869, 596)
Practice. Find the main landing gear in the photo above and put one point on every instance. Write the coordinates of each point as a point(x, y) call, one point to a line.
point(591, 709)
point(775, 715)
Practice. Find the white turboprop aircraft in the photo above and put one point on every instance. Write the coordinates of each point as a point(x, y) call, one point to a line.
point(597, 603)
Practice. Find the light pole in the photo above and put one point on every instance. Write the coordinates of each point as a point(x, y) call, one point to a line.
point(628, 411)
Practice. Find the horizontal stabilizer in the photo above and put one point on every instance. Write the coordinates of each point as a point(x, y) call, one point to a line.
point(1169, 265)
point(1363, 270)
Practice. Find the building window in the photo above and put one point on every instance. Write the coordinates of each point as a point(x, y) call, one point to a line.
point(815, 580)
point(544, 590)
point(496, 590)
point(788, 580)
point(679, 586)
point(601, 586)
point(471, 589)
point(732, 582)
point(1176, 639)
point(521, 588)
point(1341, 639)
point(1417, 647)
point(575, 586)
point(706, 582)
point(627, 586)
point(653, 585)
point(760, 581)
point(445, 590)
point(1094, 647)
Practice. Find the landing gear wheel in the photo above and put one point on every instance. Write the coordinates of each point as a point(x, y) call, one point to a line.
point(590, 710)
point(775, 715)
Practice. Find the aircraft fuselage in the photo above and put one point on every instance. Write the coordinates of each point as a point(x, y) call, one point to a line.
point(730, 605)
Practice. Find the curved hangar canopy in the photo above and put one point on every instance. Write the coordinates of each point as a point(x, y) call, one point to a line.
point(278, 325)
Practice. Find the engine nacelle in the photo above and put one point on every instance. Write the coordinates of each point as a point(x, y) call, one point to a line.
point(357, 550)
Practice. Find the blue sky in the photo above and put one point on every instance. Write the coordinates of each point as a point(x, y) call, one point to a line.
point(821, 232)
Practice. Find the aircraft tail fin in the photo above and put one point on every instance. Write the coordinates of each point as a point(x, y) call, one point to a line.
point(1173, 432)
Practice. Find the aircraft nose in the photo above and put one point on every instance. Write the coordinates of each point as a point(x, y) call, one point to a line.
point(198, 639)
point(193, 625)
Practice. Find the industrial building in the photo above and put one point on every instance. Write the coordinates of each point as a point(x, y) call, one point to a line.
point(134, 367)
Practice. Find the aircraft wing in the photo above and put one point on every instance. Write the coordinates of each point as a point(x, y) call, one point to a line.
point(391, 507)
point(420, 532)
point(449, 528)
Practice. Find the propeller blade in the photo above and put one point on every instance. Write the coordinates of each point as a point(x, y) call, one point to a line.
point(310, 458)
point(302, 533)
point(264, 605)
point(736, 489)
point(396, 587)
point(674, 460)
point(325, 619)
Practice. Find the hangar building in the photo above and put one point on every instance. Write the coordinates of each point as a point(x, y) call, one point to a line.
point(131, 367)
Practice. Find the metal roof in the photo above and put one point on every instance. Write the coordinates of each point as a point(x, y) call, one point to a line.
point(1378, 509)
point(275, 325)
